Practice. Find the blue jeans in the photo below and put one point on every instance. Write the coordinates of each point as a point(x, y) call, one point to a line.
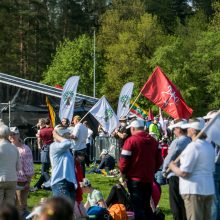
point(64, 189)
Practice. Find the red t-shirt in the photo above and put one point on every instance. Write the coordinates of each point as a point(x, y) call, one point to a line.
point(164, 150)
point(79, 178)
point(46, 135)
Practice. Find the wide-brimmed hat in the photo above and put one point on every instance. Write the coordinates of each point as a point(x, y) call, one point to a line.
point(198, 125)
point(138, 123)
point(14, 130)
point(210, 115)
point(177, 124)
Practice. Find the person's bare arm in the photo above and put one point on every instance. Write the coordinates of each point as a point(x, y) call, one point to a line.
point(57, 137)
point(102, 203)
point(177, 170)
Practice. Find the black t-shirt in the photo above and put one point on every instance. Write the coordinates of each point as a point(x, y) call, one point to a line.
point(122, 129)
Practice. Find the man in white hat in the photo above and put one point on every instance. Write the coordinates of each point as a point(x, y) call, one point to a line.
point(216, 200)
point(140, 159)
point(196, 172)
point(175, 149)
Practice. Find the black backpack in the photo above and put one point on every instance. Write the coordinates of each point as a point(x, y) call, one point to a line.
point(158, 214)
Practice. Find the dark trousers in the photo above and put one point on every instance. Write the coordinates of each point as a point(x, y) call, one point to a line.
point(44, 175)
point(140, 194)
point(88, 153)
point(83, 164)
point(176, 202)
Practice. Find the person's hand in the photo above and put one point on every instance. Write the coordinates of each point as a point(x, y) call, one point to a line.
point(27, 186)
point(123, 177)
point(164, 174)
point(172, 165)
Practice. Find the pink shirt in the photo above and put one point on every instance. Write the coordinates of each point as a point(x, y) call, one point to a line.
point(27, 165)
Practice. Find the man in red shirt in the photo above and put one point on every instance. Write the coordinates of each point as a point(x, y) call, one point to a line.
point(140, 159)
point(45, 138)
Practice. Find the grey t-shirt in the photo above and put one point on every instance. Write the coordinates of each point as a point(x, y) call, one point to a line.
point(94, 197)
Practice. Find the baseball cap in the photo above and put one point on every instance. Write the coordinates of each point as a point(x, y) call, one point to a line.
point(197, 124)
point(123, 118)
point(177, 124)
point(86, 182)
point(14, 130)
point(138, 123)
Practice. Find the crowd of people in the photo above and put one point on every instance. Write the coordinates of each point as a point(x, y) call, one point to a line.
point(182, 156)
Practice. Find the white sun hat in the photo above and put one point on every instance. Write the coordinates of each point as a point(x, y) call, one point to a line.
point(197, 125)
point(138, 123)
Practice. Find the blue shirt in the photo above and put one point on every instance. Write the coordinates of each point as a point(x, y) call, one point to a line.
point(175, 149)
point(62, 162)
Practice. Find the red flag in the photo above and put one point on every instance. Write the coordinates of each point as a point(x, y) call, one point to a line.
point(163, 93)
point(150, 115)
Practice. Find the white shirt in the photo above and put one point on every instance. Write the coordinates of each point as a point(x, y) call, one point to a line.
point(198, 159)
point(89, 138)
point(80, 131)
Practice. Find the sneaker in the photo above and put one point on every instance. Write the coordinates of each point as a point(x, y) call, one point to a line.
point(33, 189)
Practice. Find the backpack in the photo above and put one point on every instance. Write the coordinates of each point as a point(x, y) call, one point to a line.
point(158, 214)
point(98, 213)
point(118, 212)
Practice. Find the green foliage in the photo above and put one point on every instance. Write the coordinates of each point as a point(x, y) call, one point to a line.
point(128, 39)
point(74, 58)
point(169, 12)
point(191, 61)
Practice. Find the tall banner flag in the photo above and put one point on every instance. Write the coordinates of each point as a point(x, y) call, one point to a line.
point(163, 93)
point(52, 114)
point(137, 110)
point(212, 129)
point(163, 123)
point(68, 98)
point(105, 115)
point(150, 115)
point(124, 99)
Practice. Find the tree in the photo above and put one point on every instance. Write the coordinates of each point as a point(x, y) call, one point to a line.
point(191, 61)
point(75, 58)
point(169, 12)
point(128, 38)
point(26, 43)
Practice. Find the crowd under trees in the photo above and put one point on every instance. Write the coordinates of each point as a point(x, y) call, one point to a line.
point(51, 40)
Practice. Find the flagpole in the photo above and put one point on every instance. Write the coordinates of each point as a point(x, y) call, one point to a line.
point(198, 136)
point(84, 116)
point(134, 102)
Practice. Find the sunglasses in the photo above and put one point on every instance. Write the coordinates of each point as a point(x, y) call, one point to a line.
point(13, 134)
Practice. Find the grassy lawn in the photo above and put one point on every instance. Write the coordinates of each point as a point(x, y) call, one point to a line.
point(100, 182)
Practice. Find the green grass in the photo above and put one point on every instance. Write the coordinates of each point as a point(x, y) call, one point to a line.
point(99, 182)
